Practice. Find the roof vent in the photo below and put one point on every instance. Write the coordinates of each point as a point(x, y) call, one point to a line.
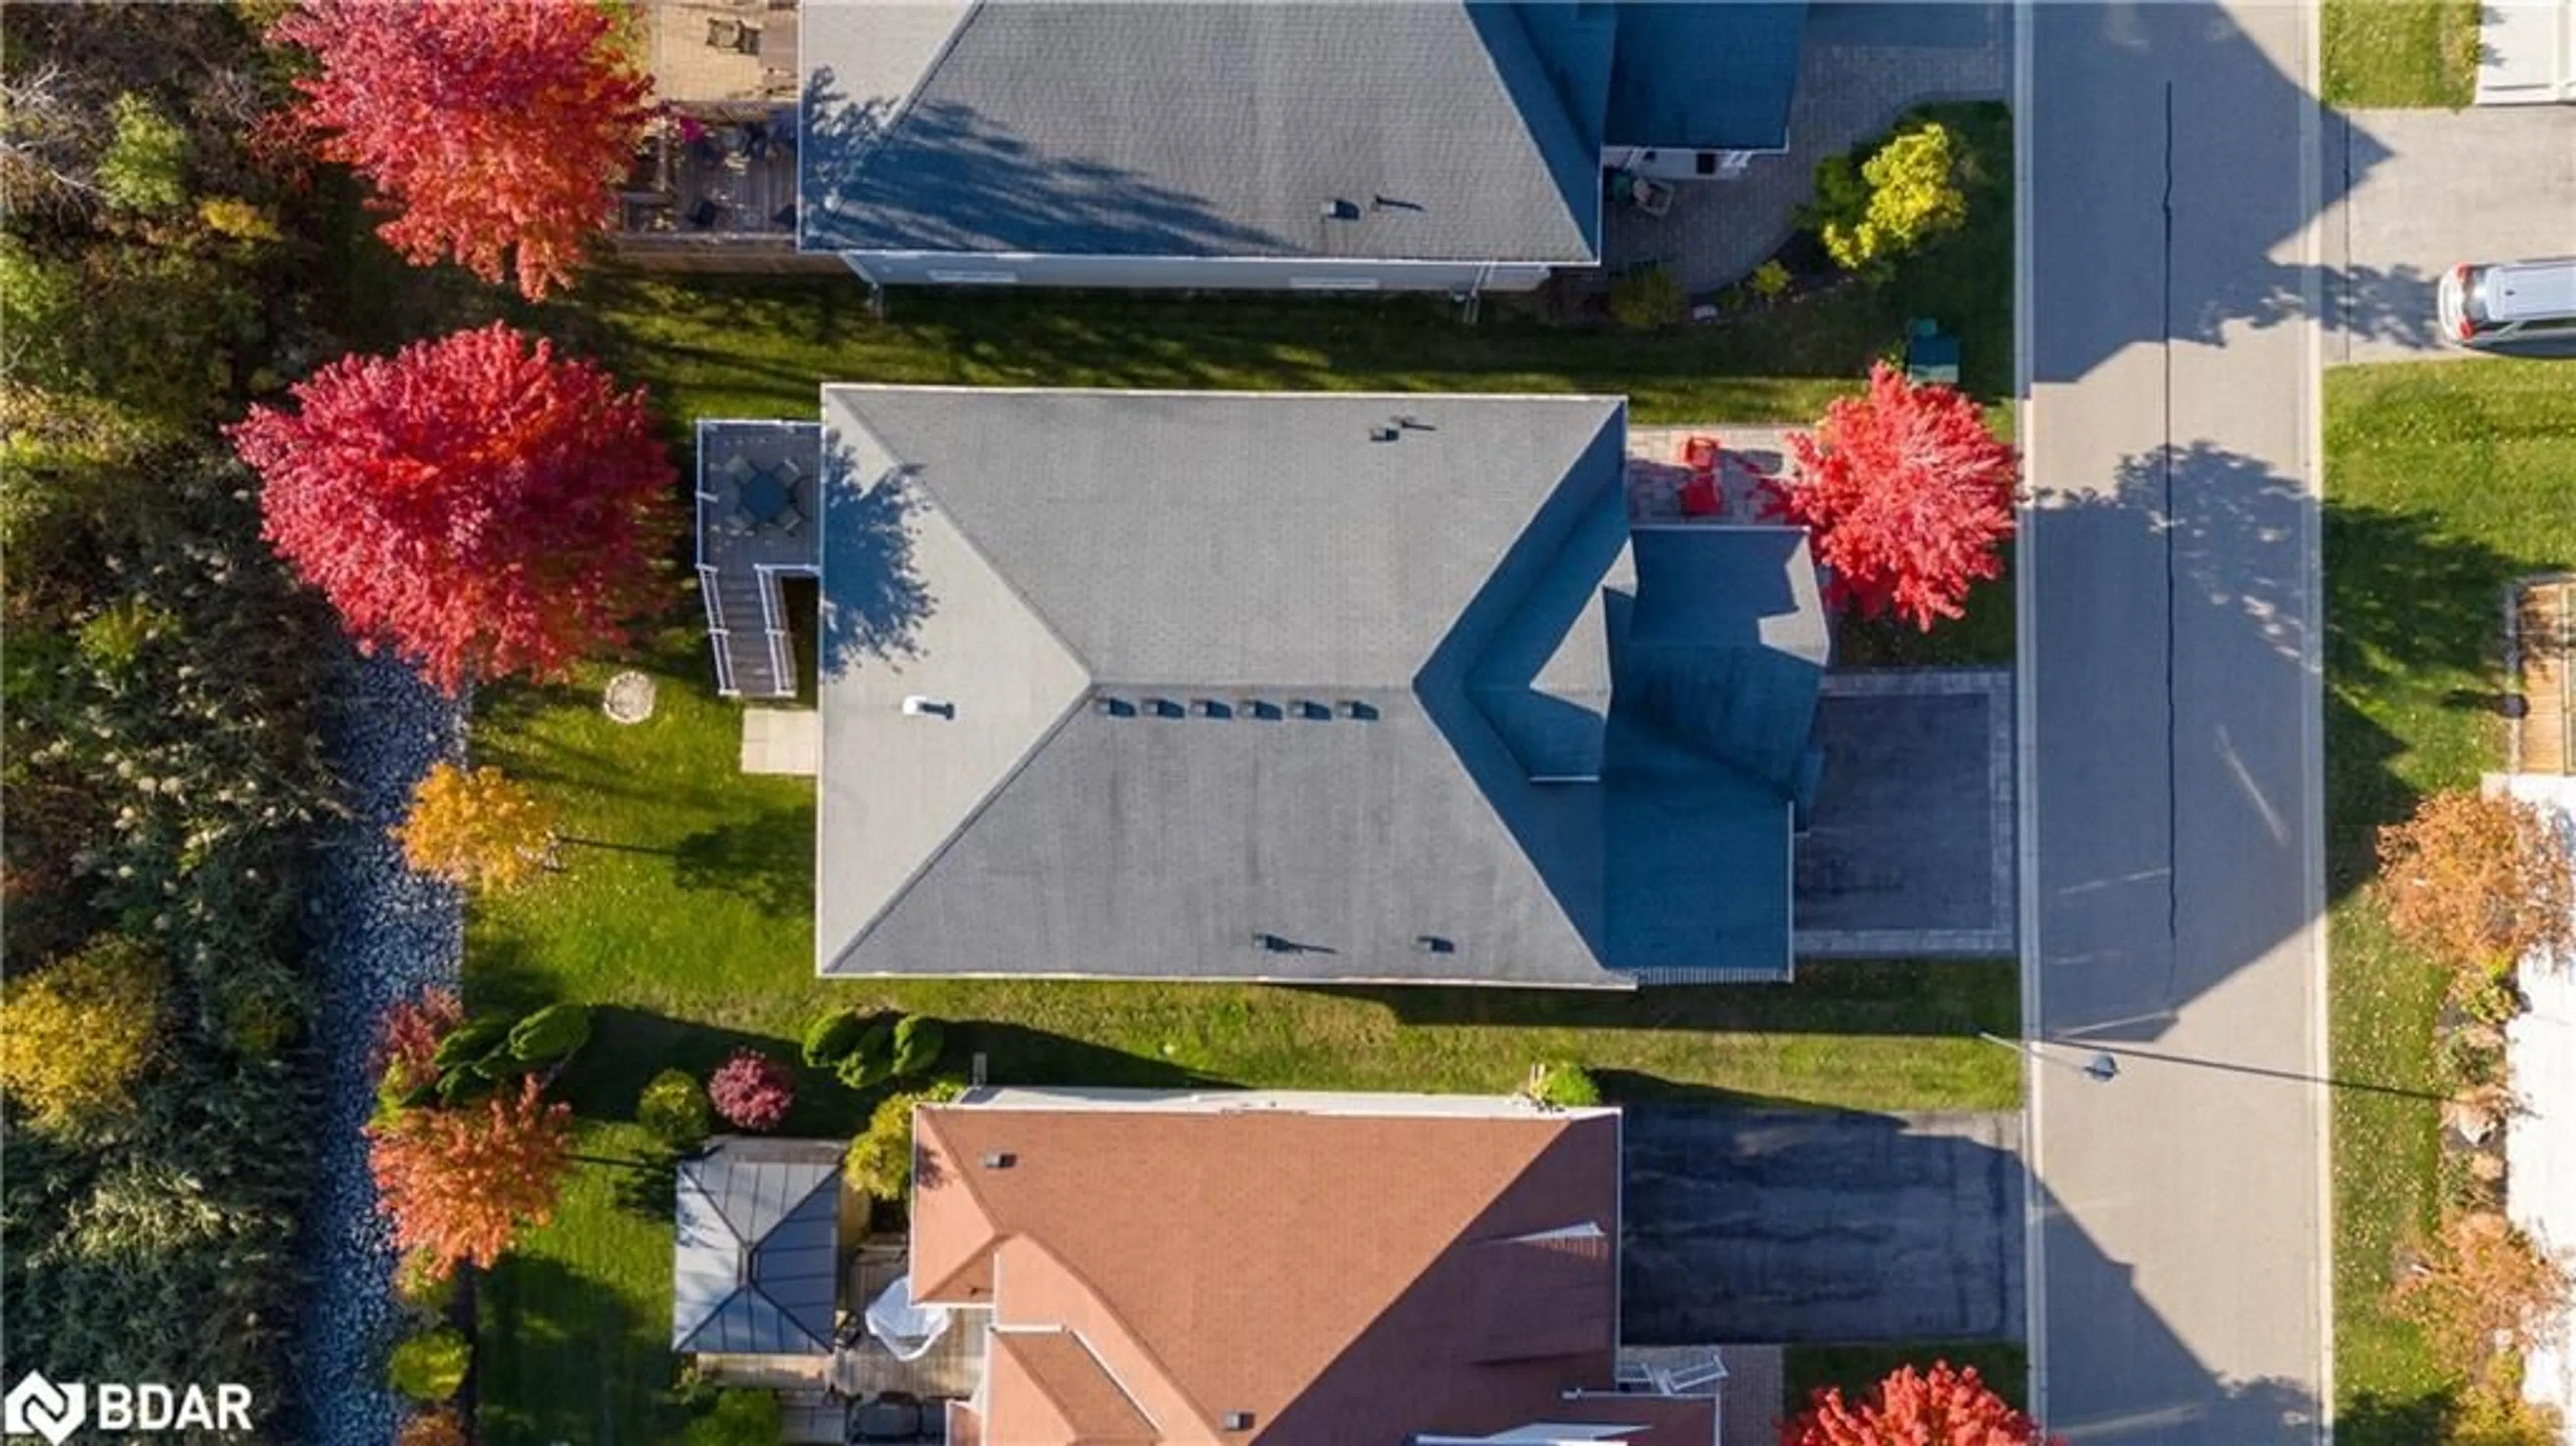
point(1433, 944)
point(999, 1160)
point(1210, 708)
point(922, 705)
point(1309, 708)
point(1355, 709)
point(1341, 210)
point(1260, 708)
point(1113, 707)
point(1238, 1420)
point(1162, 707)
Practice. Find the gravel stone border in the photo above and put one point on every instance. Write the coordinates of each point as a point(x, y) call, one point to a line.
point(382, 933)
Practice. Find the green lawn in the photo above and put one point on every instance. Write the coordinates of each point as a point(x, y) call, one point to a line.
point(2002, 1365)
point(2443, 482)
point(2401, 52)
point(684, 915)
point(758, 346)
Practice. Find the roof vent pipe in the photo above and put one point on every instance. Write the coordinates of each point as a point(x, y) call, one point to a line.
point(922, 705)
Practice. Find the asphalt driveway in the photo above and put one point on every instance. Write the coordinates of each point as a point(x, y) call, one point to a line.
point(2430, 189)
point(1791, 1225)
point(1909, 852)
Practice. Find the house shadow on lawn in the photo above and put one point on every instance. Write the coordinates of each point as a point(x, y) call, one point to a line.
point(553, 1348)
point(1840, 996)
point(768, 860)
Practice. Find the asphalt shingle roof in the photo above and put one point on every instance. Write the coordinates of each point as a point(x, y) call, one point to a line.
point(1223, 685)
point(1191, 129)
point(1706, 76)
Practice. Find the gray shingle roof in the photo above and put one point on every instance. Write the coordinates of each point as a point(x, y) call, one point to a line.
point(1123, 609)
point(1191, 129)
point(758, 1241)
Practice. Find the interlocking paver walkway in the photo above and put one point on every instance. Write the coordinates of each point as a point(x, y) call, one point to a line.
point(1862, 67)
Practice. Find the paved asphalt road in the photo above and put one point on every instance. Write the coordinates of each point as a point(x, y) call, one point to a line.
point(2433, 189)
point(2170, 841)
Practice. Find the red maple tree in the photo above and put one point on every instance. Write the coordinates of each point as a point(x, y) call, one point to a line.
point(1906, 495)
point(457, 1183)
point(487, 124)
point(1944, 1406)
point(473, 501)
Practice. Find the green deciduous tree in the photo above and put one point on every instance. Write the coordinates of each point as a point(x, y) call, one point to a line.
point(1906, 192)
point(145, 167)
point(879, 1164)
point(75, 1036)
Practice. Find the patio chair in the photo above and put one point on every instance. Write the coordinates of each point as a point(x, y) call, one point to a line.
point(789, 519)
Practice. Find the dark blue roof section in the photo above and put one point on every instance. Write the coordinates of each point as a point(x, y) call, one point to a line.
point(757, 1238)
point(1726, 645)
point(1705, 76)
point(1575, 43)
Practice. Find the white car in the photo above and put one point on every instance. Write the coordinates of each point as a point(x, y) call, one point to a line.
point(2512, 306)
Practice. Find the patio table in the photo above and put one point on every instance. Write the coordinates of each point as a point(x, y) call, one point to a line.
point(764, 497)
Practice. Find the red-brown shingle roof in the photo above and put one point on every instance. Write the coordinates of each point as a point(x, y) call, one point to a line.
point(1339, 1277)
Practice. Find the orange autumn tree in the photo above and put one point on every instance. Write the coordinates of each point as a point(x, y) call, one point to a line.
point(478, 828)
point(459, 1182)
point(2484, 1293)
point(489, 126)
point(2478, 880)
point(1945, 1406)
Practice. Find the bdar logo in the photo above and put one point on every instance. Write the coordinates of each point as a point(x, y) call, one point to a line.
point(38, 1407)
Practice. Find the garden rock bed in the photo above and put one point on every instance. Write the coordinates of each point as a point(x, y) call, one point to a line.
point(383, 933)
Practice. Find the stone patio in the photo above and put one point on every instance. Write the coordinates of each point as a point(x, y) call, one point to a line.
point(1747, 457)
point(781, 740)
point(1863, 65)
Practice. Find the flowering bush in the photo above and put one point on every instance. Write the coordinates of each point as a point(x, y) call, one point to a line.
point(752, 1091)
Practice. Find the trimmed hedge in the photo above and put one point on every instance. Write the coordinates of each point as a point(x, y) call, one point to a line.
point(832, 1036)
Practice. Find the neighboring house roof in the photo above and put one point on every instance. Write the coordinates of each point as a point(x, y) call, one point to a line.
point(1542, 752)
point(1706, 76)
point(1232, 1263)
point(758, 1243)
point(1190, 129)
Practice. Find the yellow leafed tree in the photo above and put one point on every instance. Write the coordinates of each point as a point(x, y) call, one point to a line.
point(75, 1035)
point(478, 828)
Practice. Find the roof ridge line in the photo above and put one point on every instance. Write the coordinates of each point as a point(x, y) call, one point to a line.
point(965, 539)
point(993, 1233)
point(902, 108)
point(715, 1207)
point(1162, 1369)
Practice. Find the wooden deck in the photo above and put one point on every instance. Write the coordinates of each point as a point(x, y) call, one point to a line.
point(2544, 630)
point(950, 1370)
